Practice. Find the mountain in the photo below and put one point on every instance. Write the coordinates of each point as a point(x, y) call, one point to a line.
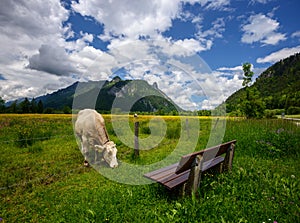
point(279, 86)
point(117, 94)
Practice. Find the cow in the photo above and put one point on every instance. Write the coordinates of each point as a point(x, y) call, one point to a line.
point(90, 129)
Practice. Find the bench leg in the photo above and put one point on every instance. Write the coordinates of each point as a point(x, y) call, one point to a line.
point(229, 158)
point(193, 183)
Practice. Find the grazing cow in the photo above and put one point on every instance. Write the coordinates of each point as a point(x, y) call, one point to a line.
point(90, 128)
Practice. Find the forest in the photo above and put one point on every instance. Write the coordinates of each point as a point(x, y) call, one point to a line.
point(278, 88)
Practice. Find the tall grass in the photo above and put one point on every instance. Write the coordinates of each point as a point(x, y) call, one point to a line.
point(45, 181)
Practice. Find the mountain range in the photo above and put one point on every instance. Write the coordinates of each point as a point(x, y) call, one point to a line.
point(117, 94)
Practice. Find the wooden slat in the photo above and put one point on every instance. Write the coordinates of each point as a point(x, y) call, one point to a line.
point(170, 177)
point(151, 175)
point(162, 175)
point(208, 154)
point(180, 179)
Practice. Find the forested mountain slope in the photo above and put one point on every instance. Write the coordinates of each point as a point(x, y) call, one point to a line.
point(279, 86)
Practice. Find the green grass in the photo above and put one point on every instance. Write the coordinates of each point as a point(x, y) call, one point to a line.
point(44, 181)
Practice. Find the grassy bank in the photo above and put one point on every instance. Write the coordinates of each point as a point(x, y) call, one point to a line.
point(42, 178)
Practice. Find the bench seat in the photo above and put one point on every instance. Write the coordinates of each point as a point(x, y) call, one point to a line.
point(187, 172)
point(167, 176)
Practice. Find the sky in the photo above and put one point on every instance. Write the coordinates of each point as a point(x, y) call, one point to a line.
point(193, 49)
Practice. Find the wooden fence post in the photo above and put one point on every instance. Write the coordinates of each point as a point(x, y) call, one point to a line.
point(136, 137)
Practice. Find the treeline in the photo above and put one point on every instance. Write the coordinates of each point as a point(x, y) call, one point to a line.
point(37, 107)
point(30, 106)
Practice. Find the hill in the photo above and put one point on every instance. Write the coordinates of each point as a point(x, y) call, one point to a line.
point(117, 94)
point(279, 87)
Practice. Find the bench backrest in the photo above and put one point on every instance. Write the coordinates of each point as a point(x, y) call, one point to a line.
point(187, 161)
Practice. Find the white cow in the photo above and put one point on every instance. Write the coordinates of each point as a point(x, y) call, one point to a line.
point(90, 128)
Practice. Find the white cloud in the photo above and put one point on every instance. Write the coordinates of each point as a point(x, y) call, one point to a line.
point(131, 18)
point(296, 34)
point(30, 84)
point(260, 28)
point(218, 27)
point(237, 68)
point(24, 27)
point(279, 55)
point(212, 4)
point(189, 46)
point(52, 59)
point(87, 37)
point(217, 4)
point(260, 1)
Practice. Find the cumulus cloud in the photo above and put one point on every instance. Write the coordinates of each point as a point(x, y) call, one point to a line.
point(260, 28)
point(131, 18)
point(30, 84)
point(24, 27)
point(87, 37)
point(237, 68)
point(136, 18)
point(32, 18)
point(52, 59)
point(296, 34)
point(218, 27)
point(279, 55)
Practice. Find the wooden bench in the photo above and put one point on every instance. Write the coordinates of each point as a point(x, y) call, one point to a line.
point(187, 173)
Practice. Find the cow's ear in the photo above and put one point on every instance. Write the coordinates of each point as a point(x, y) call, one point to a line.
point(99, 148)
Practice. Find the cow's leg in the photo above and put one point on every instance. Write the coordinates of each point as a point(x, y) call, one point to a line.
point(96, 156)
point(85, 151)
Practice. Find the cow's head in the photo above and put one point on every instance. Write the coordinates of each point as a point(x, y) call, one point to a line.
point(109, 153)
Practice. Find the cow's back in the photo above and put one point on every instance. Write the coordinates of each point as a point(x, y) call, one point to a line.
point(91, 124)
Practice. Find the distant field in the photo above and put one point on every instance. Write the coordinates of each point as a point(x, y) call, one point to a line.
point(42, 178)
point(292, 116)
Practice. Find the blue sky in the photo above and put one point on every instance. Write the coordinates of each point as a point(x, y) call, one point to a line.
point(193, 49)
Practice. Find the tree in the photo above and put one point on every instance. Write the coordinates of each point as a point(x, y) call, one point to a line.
point(248, 74)
point(252, 105)
point(33, 106)
point(40, 107)
point(13, 108)
point(25, 106)
point(2, 105)
point(67, 110)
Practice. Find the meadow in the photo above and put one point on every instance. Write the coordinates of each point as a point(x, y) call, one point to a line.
point(42, 178)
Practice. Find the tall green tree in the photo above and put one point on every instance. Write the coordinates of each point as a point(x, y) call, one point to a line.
point(25, 106)
point(33, 106)
point(40, 107)
point(248, 74)
point(252, 106)
point(13, 108)
point(2, 105)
